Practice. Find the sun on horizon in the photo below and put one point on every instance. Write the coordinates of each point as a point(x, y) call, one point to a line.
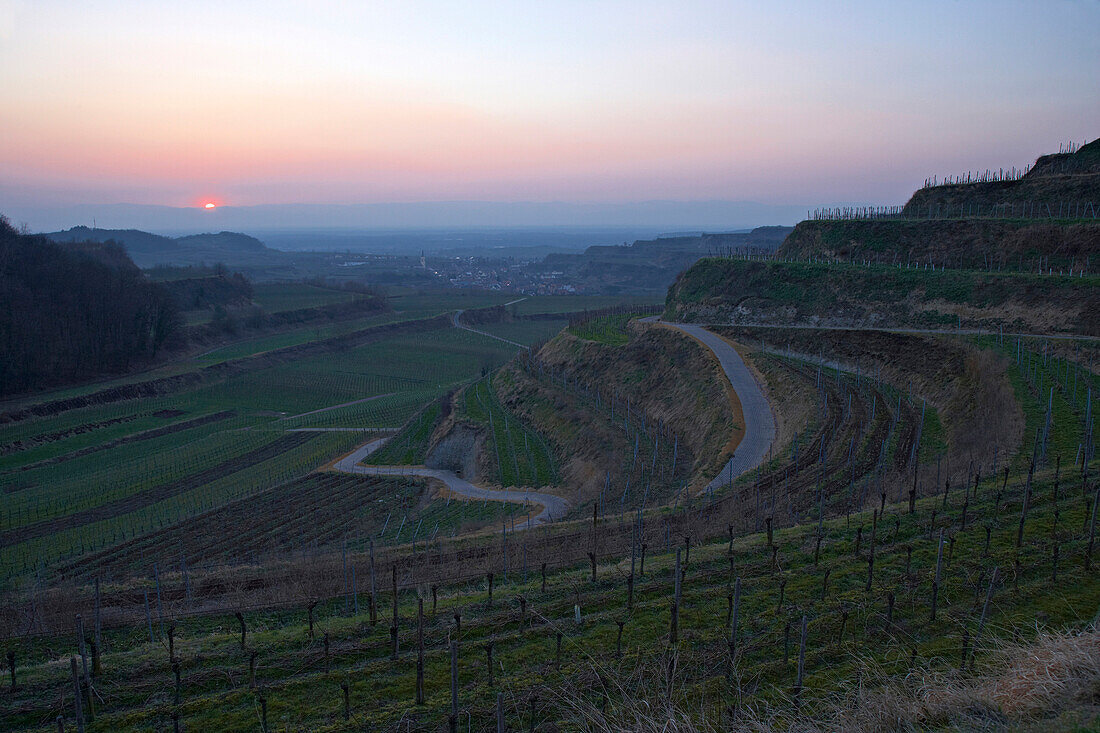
point(210, 206)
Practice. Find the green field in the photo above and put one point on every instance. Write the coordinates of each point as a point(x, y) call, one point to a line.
point(73, 501)
point(279, 297)
point(575, 303)
point(292, 337)
point(610, 330)
point(525, 332)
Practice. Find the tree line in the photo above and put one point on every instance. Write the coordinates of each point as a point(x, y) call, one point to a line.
point(74, 311)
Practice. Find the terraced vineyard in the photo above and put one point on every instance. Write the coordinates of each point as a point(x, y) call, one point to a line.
point(521, 456)
point(231, 580)
point(801, 609)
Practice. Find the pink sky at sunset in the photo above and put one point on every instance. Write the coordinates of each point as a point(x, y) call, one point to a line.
point(261, 103)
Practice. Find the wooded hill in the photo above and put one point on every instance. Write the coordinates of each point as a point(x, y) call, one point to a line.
point(151, 250)
point(75, 311)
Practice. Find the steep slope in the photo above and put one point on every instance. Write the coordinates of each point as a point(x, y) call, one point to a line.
point(1045, 219)
point(841, 295)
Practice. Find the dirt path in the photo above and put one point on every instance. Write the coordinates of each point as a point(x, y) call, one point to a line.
point(456, 320)
point(342, 404)
point(553, 507)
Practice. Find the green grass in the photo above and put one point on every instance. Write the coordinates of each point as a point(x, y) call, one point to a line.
point(527, 333)
point(575, 303)
point(409, 447)
point(610, 330)
point(1039, 383)
point(293, 337)
point(279, 297)
point(378, 385)
point(136, 686)
point(520, 454)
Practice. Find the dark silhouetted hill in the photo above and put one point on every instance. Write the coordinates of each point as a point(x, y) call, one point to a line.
point(71, 312)
point(152, 250)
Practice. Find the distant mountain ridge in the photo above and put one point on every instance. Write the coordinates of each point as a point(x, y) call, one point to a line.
point(151, 250)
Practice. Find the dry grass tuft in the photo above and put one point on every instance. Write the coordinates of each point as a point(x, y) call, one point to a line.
point(1024, 685)
point(1056, 670)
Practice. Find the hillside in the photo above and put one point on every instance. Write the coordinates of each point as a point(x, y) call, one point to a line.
point(820, 294)
point(1045, 219)
point(152, 250)
point(1055, 181)
point(648, 266)
point(947, 613)
point(73, 312)
point(210, 291)
point(998, 244)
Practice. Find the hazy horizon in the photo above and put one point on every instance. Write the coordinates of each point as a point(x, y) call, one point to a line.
point(613, 104)
point(656, 216)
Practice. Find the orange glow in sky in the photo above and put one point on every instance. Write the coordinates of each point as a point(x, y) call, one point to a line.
point(615, 101)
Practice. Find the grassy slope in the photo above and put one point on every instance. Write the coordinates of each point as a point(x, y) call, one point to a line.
point(517, 453)
point(302, 689)
point(804, 293)
point(665, 375)
point(136, 684)
point(970, 243)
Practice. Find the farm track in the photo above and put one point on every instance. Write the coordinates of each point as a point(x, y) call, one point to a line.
point(136, 437)
point(759, 427)
point(144, 499)
point(552, 505)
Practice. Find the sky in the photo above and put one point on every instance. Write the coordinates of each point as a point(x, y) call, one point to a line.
point(249, 103)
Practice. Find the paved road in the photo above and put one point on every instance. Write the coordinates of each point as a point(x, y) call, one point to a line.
point(757, 413)
point(553, 507)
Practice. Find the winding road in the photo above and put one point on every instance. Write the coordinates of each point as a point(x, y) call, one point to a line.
point(756, 412)
point(553, 507)
point(750, 452)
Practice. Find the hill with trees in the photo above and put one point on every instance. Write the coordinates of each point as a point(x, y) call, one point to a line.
point(152, 250)
point(73, 312)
